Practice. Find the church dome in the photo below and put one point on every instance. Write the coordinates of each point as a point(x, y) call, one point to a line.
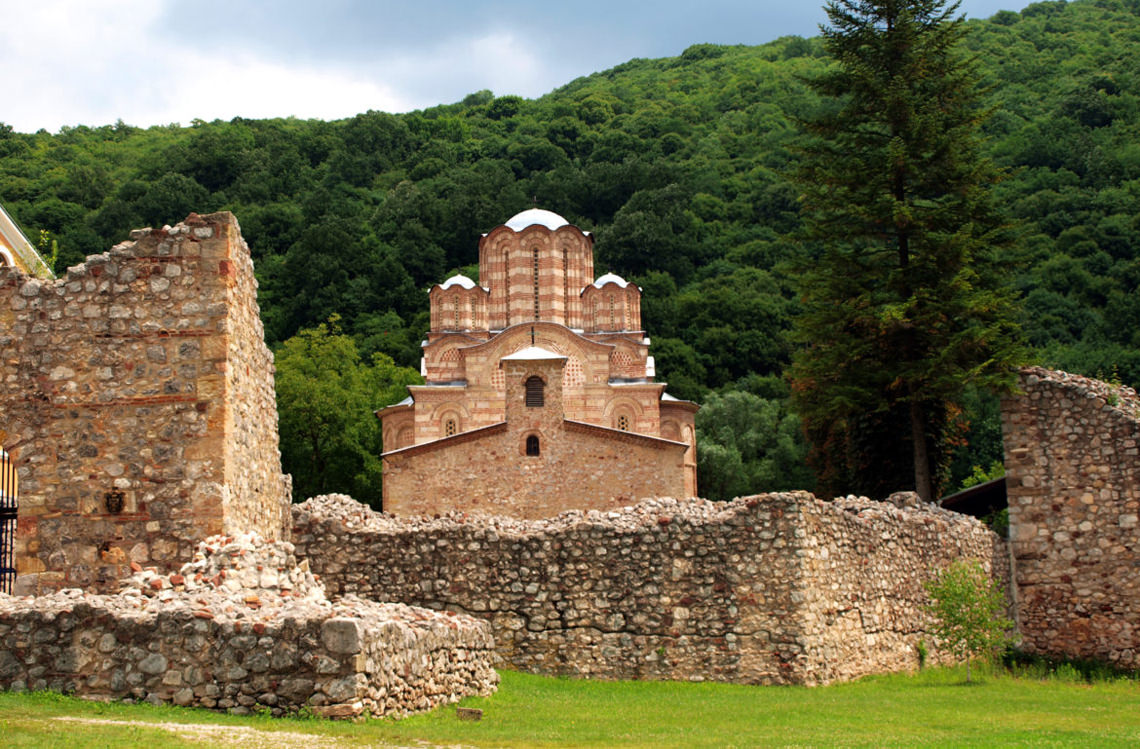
point(611, 278)
point(533, 216)
point(458, 280)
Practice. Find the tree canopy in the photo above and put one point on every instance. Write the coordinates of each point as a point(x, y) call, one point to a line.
point(906, 300)
point(680, 166)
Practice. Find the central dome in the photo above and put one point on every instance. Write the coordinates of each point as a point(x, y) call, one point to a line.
point(538, 216)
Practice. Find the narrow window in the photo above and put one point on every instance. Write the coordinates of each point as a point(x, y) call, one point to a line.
point(623, 423)
point(449, 428)
point(535, 252)
point(534, 394)
point(613, 322)
point(9, 492)
point(532, 445)
point(455, 312)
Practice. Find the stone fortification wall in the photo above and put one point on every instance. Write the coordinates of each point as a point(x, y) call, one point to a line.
point(243, 628)
point(864, 567)
point(136, 401)
point(1073, 478)
point(773, 589)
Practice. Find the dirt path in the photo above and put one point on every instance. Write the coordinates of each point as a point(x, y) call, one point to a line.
point(240, 736)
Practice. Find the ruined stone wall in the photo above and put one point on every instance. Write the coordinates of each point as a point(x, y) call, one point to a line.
point(1073, 479)
point(242, 628)
point(136, 400)
point(773, 589)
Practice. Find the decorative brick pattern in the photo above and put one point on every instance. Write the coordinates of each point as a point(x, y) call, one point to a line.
point(535, 289)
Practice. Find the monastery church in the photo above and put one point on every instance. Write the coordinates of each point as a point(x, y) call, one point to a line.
point(540, 394)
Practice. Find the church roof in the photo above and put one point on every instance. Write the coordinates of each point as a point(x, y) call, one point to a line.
point(532, 353)
point(458, 280)
point(611, 278)
point(533, 216)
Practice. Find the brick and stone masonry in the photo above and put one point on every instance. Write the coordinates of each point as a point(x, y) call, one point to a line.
point(137, 403)
point(1072, 462)
point(771, 589)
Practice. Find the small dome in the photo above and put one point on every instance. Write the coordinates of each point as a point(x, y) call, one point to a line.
point(538, 216)
point(611, 278)
point(458, 280)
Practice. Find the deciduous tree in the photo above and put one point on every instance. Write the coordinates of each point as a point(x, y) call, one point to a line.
point(969, 611)
point(326, 398)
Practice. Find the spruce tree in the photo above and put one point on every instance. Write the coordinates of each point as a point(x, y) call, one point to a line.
point(905, 297)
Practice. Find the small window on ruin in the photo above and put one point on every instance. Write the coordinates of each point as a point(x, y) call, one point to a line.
point(532, 445)
point(449, 428)
point(623, 423)
point(534, 392)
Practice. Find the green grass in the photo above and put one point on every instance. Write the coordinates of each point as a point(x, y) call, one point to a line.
point(935, 708)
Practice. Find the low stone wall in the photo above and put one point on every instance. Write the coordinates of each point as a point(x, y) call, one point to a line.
point(1072, 457)
point(773, 589)
point(243, 629)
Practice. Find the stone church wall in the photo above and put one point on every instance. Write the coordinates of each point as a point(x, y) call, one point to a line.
point(137, 403)
point(772, 589)
point(1073, 478)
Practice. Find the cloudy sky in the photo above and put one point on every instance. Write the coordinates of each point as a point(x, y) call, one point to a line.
point(148, 62)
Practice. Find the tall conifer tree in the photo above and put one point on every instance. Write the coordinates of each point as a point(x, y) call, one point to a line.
point(905, 303)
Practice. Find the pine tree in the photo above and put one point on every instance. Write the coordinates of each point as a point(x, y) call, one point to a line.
point(904, 299)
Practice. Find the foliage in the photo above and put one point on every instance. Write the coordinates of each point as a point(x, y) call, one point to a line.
point(326, 398)
point(680, 166)
point(746, 445)
point(969, 611)
point(981, 475)
point(905, 302)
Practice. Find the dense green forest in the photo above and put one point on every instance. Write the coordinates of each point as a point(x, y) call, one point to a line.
point(681, 166)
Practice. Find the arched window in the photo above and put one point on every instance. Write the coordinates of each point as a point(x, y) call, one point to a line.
point(623, 423)
point(534, 392)
point(532, 445)
point(449, 428)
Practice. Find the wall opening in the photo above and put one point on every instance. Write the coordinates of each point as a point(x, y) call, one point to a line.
point(532, 447)
point(534, 392)
point(449, 429)
point(9, 497)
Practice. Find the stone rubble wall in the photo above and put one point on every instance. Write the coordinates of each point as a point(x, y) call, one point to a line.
point(864, 569)
point(1073, 477)
point(243, 628)
point(136, 401)
point(772, 589)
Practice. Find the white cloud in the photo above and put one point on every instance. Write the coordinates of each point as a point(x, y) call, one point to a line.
point(104, 60)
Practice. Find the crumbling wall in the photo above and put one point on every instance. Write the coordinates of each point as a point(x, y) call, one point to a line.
point(773, 589)
point(1073, 479)
point(136, 400)
point(243, 628)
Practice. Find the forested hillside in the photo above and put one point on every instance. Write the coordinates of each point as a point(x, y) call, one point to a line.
point(680, 165)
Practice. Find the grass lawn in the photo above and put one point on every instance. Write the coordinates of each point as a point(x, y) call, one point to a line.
point(935, 708)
